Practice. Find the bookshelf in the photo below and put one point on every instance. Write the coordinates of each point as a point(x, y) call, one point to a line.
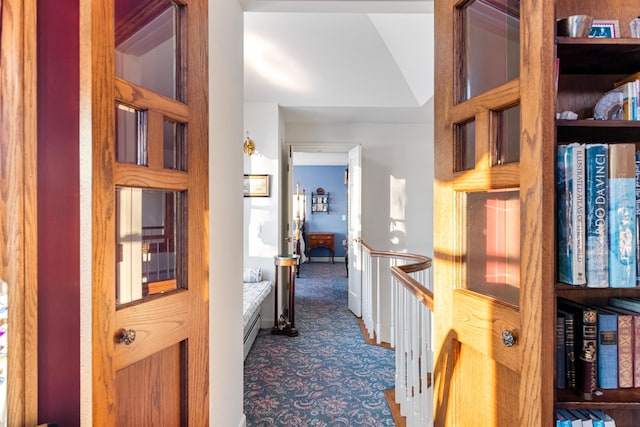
point(588, 68)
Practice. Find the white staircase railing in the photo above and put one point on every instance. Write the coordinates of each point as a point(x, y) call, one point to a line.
point(405, 281)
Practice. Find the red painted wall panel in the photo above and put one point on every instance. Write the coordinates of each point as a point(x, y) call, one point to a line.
point(58, 213)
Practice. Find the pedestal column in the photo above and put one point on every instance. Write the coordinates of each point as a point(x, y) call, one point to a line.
point(290, 261)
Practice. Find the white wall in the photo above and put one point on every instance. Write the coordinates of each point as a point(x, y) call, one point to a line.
point(397, 179)
point(397, 184)
point(263, 228)
point(225, 212)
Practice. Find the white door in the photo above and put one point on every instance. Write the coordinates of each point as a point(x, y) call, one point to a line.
point(354, 208)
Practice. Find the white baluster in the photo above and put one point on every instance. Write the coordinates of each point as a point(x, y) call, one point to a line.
point(392, 316)
point(378, 313)
point(407, 350)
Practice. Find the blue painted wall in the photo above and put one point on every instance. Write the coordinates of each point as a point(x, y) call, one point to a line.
point(331, 178)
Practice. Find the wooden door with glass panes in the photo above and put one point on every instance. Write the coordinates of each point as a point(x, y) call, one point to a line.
point(487, 188)
point(150, 188)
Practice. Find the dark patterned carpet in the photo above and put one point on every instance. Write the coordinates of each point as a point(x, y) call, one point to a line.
point(327, 375)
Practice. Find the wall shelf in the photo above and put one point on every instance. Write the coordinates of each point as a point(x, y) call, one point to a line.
point(320, 203)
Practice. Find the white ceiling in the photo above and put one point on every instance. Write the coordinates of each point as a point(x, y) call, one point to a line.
point(341, 61)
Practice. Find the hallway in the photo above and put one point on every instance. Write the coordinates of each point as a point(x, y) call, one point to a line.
point(326, 376)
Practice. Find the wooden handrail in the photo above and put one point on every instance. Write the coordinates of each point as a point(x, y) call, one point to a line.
point(407, 324)
point(401, 272)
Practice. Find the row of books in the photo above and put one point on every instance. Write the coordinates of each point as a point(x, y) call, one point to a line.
point(598, 346)
point(626, 95)
point(598, 190)
point(629, 89)
point(583, 418)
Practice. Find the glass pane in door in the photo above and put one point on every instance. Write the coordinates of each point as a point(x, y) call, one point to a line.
point(490, 48)
point(131, 135)
point(148, 251)
point(174, 145)
point(465, 142)
point(147, 45)
point(491, 246)
point(508, 136)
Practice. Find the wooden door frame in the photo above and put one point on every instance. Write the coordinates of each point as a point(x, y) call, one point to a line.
point(537, 197)
point(18, 154)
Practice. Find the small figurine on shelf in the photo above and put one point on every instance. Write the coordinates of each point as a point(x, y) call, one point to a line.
point(634, 26)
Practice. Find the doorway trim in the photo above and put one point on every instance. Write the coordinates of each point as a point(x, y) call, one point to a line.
point(311, 149)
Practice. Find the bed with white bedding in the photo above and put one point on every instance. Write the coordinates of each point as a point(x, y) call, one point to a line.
point(254, 295)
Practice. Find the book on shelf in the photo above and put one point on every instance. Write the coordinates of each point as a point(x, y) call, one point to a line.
point(633, 306)
point(561, 420)
point(625, 346)
point(622, 216)
point(570, 183)
point(574, 420)
point(630, 99)
point(629, 78)
point(628, 303)
point(585, 326)
point(595, 420)
point(587, 419)
point(628, 345)
point(570, 350)
point(607, 421)
point(637, 177)
point(607, 349)
point(561, 351)
point(629, 92)
point(596, 228)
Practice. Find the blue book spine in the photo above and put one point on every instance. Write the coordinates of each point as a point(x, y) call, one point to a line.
point(574, 421)
point(637, 215)
point(597, 230)
point(561, 421)
point(570, 169)
point(563, 216)
point(587, 420)
point(606, 419)
point(597, 421)
point(607, 349)
point(634, 89)
point(622, 216)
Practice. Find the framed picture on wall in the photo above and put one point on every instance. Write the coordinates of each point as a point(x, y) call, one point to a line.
point(256, 186)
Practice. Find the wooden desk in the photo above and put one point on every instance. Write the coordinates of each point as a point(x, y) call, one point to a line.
point(321, 240)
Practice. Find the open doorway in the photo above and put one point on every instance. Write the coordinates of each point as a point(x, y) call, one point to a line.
point(321, 204)
point(324, 213)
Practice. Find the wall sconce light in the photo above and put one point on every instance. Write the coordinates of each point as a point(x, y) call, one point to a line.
point(249, 147)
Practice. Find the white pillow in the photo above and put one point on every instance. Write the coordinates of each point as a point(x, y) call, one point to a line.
point(252, 275)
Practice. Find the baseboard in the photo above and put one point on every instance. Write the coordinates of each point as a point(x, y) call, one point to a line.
point(243, 421)
point(266, 323)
